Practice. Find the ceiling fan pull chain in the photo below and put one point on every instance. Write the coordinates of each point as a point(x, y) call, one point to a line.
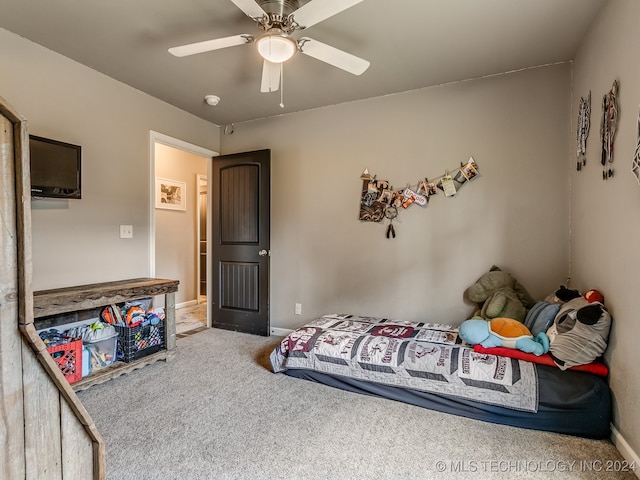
point(282, 85)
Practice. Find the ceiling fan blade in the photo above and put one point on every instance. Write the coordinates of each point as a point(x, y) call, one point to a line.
point(208, 45)
point(250, 8)
point(333, 56)
point(270, 76)
point(317, 11)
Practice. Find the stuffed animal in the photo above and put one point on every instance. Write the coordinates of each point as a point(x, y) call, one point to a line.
point(562, 295)
point(498, 294)
point(540, 317)
point(580, 332)
point(594, 296)
point(503, 332)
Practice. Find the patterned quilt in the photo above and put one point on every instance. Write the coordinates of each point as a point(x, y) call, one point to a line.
point(429, 357)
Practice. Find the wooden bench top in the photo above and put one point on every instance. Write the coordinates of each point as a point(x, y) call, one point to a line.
point(82, 297)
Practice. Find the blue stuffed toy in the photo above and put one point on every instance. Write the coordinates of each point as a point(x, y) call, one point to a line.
point(503, 332)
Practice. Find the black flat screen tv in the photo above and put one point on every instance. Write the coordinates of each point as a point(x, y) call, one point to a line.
point(55, 168)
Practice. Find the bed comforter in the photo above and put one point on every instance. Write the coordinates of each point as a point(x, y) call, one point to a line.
point(421, 356)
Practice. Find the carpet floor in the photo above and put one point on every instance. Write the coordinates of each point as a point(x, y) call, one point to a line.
point(216, 411)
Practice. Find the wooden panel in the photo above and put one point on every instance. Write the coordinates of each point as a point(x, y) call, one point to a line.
point(61, 300)
point(23, 225)
point(12, 459)
point(43, 449)
point(120, 368)
point(54, 378)
point(239, 204)
point(170, 321)
point(239, 285)
point(77, 448)
point(38, 347)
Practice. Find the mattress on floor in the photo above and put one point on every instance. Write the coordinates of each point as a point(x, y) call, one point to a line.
point(426, 364)
point(572, 403)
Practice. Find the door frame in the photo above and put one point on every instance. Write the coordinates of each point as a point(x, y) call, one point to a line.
point(200, 179)
point(157, 137)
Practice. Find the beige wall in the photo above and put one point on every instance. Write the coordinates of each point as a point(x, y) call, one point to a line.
point(176, 230)
point(606, 215)
point(77, 241)
point(515, 215)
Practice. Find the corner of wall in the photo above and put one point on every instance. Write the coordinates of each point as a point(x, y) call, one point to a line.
point(625, 450)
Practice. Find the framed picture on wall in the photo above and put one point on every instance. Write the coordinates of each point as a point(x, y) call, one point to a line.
point(171, 194)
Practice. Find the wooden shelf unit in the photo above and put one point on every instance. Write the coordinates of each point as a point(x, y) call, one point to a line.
point(61, 301)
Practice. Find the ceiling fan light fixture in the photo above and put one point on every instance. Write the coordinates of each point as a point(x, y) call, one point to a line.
point(276, 46)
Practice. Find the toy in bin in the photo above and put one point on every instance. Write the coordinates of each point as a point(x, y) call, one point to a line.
point(100, 340)
point(132, 314)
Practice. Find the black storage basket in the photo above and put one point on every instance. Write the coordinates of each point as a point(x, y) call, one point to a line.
point(138, 342)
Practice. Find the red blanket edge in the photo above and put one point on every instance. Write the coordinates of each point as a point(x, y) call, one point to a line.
point(597, 368)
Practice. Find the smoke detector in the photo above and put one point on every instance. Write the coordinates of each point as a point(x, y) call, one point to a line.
point(212, 100)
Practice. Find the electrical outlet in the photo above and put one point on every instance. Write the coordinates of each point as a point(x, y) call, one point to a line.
point(126, 231)
point(298, 309)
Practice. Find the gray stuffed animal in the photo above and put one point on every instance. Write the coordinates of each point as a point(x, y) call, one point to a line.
point(498, 294)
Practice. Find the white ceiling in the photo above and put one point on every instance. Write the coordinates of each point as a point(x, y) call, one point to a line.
point(410, 43)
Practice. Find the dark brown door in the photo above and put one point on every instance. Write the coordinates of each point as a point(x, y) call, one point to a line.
point(240, 242)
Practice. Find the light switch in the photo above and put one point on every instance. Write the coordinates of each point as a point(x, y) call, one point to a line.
point(126, 231)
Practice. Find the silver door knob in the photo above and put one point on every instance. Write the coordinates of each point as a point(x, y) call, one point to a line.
point(263, 253)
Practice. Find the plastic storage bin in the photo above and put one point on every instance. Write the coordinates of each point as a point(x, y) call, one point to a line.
point(86, 361)
point(68, 357)
point(138, 342)
point(102, 352)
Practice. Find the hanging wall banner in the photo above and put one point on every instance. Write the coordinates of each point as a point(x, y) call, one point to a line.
point(635, 166)
point(608, 128)
point(374, 196)
point(584, 124)
point(379, 201)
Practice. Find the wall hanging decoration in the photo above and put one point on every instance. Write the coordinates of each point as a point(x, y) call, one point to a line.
point(171, 194)
point(390, 213)
point(584, 123)
point(379, 201)
point(635, 167)
point(610, 111)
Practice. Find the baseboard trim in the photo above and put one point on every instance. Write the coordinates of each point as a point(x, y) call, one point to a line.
point(190, 303)
point(280, 332)
point(625, 449)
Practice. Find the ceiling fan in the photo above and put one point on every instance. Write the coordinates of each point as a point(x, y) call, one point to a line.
point(278, 20)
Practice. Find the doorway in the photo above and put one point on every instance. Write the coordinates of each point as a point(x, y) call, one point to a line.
point(175, 245)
